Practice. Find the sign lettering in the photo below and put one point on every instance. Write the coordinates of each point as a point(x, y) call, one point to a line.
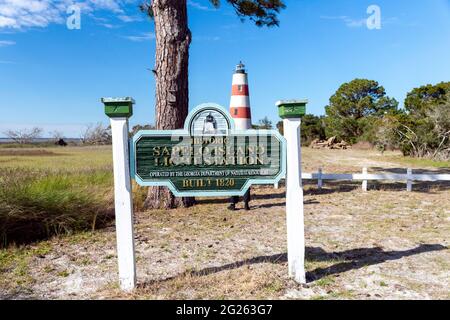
point(208, 157)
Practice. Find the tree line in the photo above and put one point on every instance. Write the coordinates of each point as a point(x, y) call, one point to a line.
point(361, 111)
point(92, 134)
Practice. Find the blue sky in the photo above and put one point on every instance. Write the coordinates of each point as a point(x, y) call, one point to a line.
point(54, 77)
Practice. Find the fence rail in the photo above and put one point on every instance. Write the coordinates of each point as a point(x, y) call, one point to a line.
point(408, 177)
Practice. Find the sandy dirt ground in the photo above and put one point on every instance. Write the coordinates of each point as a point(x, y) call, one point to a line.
point(382, 244)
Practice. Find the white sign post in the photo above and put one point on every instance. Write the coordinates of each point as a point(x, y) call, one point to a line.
point(119, 110)
point(291, 112)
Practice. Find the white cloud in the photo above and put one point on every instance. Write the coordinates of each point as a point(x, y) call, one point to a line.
point(206, 38)
point(111, 5)
point(20, 14)
point(126, 18)
point(108, 25)
point(141, 37)
point(6, 43)
point(199, 6)
point(7, 22)
point(349, 22)
point(358, 23)
point(28, 13)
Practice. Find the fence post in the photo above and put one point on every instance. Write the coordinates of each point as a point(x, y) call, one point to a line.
point(291, 112)
point(409, 180)
point(119, 110)
point(319, 179)
point(364, 183)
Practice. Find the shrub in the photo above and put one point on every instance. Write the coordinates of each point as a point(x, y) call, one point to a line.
point(354, 108)
point(423, 130)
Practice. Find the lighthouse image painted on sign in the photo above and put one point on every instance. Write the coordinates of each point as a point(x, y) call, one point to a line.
point(240, 100)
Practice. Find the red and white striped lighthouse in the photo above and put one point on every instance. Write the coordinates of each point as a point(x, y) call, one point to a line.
point(240, 100)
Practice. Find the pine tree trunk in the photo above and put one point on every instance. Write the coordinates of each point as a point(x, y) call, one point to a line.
point(173, 38)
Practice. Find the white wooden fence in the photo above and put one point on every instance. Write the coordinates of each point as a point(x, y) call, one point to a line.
point(408, 177)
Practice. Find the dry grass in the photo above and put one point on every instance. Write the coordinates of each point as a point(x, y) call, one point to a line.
point(43, 193)
point(27, 152)
point(67, 159)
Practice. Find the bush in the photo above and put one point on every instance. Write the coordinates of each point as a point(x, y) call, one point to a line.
point(354, 109)
point(25, 136)
point(97, 134)
point(313, 127)
point(423, 130)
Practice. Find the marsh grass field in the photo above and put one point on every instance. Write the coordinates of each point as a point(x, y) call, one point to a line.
point(58, 238)
point(52, 191)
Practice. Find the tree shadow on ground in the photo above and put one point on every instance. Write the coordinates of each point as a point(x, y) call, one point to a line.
point(358, 258)
point(348, 260)
point(330, 187)
point(282, 204)
point(418, 186)
point(265, 196)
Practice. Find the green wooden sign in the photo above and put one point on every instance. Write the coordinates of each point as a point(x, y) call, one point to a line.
point(208, 157)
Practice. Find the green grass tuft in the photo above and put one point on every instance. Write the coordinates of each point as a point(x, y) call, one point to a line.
point(36, 204)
